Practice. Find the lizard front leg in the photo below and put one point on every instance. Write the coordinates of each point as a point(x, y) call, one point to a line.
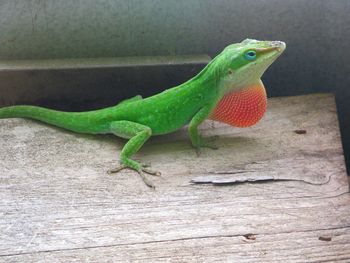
point(137, 134)
point(196, 139)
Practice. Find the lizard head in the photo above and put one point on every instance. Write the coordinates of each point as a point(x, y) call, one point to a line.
point(244, 63)
point(239, 69)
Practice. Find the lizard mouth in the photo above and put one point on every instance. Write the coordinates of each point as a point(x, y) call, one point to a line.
point(278, 46)
point(271, 52)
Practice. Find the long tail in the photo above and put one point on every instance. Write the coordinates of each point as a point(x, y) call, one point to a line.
point(73, 121)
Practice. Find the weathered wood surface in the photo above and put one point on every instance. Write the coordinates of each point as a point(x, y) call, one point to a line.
point(58, 204)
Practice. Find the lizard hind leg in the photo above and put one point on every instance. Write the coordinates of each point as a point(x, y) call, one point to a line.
point(137, 134)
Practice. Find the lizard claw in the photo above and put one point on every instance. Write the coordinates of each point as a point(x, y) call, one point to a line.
point(117, 169)
point(145, 179)
point(141, 171)
point(151, 172)
point(206, 143)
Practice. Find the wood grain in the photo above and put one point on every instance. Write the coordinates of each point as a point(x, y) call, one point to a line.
point(57, 204)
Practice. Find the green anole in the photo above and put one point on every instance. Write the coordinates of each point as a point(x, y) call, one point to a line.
point(228, 90)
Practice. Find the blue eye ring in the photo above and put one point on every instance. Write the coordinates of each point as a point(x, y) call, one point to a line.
point(250, 55)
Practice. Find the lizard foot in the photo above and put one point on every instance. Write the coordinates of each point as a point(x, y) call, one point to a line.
point(143, 164)
point(141, 171)
point(206, 143)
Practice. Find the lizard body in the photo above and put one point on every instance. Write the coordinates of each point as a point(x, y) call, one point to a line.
point(228, 89)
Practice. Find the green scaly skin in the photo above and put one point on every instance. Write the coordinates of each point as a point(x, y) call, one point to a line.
point(138, 119)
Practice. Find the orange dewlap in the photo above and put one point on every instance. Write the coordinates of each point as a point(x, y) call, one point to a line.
point(241, 108)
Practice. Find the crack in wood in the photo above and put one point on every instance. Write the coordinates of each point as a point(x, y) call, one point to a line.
point(174, 240)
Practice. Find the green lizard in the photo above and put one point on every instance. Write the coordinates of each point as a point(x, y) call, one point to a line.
point(228, 89)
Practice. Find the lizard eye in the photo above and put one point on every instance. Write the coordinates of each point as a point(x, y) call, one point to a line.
point(250, 55)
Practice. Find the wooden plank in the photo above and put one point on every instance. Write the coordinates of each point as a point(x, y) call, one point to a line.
point(287, 247)
point(57, 203)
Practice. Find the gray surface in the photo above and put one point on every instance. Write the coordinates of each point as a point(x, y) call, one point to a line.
point(317, 33)
point(57, 204)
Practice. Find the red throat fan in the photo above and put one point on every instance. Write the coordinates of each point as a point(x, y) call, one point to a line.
point(241, 108)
